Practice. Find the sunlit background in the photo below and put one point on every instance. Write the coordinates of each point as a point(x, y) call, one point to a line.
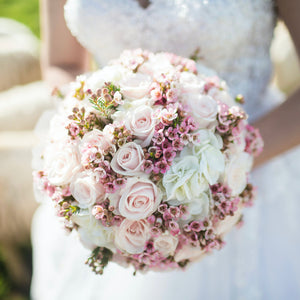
point(23, 97)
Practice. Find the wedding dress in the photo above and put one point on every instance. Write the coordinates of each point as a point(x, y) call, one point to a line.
point(260, 260)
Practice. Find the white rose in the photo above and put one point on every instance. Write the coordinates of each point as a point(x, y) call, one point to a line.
point(183, 181)
point(132, 236)
point(190, 83)
point(128, 159)
point(141, 123)
point(138, 200)
point(237, 171)
point(189, 252)
point(166, 244)
point(203, 108)
point(92, 233)
point(222, 96)
point(156, 64)
point(135, 86)
point(114, 74)
point(86, 190)
point(61, 163)
point(227, 224)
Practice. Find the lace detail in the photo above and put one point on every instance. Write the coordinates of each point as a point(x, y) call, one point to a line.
point(233, 36)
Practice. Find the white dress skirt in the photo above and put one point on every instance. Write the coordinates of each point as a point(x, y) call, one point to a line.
point(260, 260)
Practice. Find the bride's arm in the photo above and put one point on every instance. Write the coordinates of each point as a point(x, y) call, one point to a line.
point(62, 58)
point(281, 127)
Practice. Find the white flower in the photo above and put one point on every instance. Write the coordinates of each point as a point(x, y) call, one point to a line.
point(212, 162)
point(183, 182)
point(132, 236)
point(237, 170)
point(61, 163)
point(190, 83)
point(113, 73)
point(166, 244)
point(92, 233)
point(128, 159)
point(86, 190)
point(156, 64)
point(189, 252)
point(227, 224)
point(141, 123)
point(222, 95)
point(199, 207)
point(203, 108)
point(138, 200)
point(135, 86)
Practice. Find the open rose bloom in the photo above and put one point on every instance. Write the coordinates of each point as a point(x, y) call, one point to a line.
point(149, 161)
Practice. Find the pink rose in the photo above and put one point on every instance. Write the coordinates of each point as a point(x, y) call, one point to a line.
point(142, 124)
point(128, 159)
point(86, 190)
point(139, 199)
point(95, 138)
point(204, 109)
point(136, 86)
point(132, 236)
point(166, 244)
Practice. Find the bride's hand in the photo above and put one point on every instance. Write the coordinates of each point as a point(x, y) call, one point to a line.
point(280, 129)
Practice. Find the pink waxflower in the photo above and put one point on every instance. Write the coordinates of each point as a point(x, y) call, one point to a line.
point(169, 154)
point(177, 144)
point(158, 137)
point(196, 226)
point(156, 94)
point(172, 95)
point(174, 228)
point(147, 166)
point(161, 167)
point(171, 133)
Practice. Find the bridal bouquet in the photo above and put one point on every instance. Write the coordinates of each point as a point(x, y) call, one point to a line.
point(149, 160)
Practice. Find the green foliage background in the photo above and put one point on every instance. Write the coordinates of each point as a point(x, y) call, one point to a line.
point(24, 11)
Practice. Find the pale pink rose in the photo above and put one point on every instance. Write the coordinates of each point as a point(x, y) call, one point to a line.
point(128, 159)
point(227, 224)
point(95, 138)
point(190, 83)
point(139, 199)
point(132, 236)
point(189, 252)
point(221, 95)
point(136, 86)
point(86, 190)
point(166, 244)
point(61, 163)
point(157, 64)
point(204, 108)
point(142, 124)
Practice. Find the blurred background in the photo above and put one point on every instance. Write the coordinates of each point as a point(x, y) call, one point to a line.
point(23, 97)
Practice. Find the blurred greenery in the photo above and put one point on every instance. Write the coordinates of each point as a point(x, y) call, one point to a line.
point(9, 287)
point(24, 11)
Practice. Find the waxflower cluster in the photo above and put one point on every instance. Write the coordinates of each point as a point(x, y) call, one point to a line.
point(148, 160)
